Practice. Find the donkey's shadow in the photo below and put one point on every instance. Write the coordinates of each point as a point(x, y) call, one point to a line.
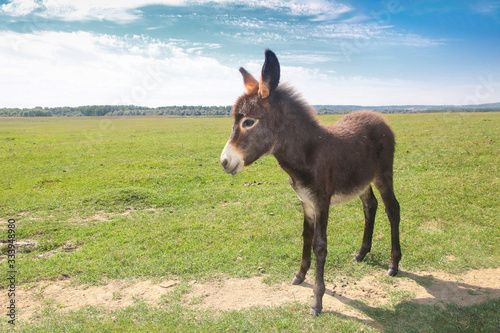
point(445, 291)
point(440, 294)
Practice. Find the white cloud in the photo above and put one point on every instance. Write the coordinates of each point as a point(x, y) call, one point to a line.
point(80, 68)
point(348, 31)
point(123, 11)
point(485, 6)
point(77, 10)
point(321, 9)
point(325, 88)
point(311, 57)
point(19, 7)
point(412, 40)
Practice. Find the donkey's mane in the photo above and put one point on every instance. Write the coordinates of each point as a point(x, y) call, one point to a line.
point(291, 103)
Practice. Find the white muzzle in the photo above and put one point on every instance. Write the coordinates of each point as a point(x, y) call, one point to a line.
point(231, 159)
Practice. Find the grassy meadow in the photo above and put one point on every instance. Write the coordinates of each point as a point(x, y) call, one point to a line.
point(96, 199)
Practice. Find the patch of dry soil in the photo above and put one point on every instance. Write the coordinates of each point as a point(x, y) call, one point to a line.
point(433, 288)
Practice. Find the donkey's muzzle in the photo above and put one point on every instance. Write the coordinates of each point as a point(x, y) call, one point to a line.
point(231, 159)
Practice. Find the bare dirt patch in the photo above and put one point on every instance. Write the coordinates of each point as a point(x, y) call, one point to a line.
point(102, 216)
point(21, 246)
point(434, 288)
point(65, 295)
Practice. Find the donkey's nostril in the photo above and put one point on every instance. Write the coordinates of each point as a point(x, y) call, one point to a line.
point(225, 162)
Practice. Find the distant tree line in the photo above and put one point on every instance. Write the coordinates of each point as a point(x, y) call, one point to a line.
point(116, 110)
point(457, 109)
point(207, 111)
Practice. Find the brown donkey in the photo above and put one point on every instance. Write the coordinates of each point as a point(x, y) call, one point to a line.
point(326, 164)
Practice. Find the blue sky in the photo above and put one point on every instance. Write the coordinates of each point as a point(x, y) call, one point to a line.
point(187, 52)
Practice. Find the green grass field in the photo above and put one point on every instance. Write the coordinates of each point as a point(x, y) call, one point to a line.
point(147, 198)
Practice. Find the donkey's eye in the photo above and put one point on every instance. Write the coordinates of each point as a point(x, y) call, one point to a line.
point(248, 123)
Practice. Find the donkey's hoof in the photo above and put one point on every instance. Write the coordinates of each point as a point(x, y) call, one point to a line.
point(358, 257)
point(315, 312)
point(393, 271)
point(298, 280)
point(361, 254)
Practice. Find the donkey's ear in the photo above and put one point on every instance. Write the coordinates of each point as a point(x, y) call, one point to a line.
point(270, 75)
point(251, 84)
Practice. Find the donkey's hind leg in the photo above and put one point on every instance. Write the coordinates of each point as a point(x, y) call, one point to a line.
point(370, 209)
point(307, 236)
point(384, 185)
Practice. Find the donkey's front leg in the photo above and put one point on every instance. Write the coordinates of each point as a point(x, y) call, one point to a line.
point(320, 251)
point(307, 236)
